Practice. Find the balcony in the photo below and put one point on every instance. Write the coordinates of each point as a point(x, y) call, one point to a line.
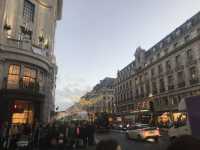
point(194, 81)
point(31, 88)
point(170, 87)
point(181, 84)
point(25, 46)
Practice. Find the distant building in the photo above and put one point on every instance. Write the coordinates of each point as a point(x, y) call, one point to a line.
point(27, 62)
point(101, 97)
point(164, 74)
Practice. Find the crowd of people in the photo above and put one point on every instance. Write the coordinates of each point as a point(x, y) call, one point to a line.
point(71, 135)
point(54, 135)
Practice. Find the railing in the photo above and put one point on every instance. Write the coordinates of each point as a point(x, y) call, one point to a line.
point(25, 45)
point(29, 87)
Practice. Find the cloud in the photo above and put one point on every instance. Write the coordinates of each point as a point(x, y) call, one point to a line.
point(69, 92)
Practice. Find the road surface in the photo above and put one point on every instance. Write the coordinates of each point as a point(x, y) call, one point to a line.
point(135, 145)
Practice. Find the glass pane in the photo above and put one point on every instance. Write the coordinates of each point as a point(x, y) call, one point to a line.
point(13, 81)
point(14, 69)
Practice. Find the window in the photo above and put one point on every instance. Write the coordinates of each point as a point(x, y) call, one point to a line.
point(140, 78)
point(174, 101)
point(165, 99)
point(158, 55)
point(168, 65)
point(142, 91)
point(29, 10)
point(152, 72)
point(178, 60)
point(189, 54)
point(162, 85)
point(13, 76)
point(147, 88)
point(170, 82)
point(29, 77)
point(180, 78)
point(160, 69)
point(193, 75)
point(154, 87)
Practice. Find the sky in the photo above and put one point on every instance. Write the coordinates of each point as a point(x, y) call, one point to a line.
point(96, 38)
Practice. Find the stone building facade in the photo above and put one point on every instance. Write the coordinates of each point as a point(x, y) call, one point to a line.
point(164, 74)
point(101, 97)
point(27, 62)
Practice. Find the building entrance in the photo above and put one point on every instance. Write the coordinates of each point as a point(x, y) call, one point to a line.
point(22, 113)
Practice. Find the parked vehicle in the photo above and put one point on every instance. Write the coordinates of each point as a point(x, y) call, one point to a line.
point(143, 132)
point(190, 106)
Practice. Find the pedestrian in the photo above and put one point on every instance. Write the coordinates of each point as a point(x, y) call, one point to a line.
point(91, 134)
point(66, 134)
point(109, 144)
point(72, 135)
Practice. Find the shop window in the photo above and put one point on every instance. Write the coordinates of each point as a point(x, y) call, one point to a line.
point(22, 112)
point(13, 76)
point(29, 77)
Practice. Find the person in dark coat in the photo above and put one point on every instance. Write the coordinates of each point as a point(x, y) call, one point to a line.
point(91, 133)
point(72, 135)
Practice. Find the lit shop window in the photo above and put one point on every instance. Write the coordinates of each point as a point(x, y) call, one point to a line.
point(13, 76)
point(29, 77)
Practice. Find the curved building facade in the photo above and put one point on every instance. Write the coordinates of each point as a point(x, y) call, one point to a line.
point(27, 62)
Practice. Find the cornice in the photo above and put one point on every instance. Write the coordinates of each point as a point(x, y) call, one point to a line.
point(40, 2)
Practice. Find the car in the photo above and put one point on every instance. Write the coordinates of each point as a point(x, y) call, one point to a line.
point(143, 132)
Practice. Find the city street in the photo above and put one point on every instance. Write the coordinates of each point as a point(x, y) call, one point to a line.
point(135, 145)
